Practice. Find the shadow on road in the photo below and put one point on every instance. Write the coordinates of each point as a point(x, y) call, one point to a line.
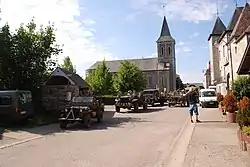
point(211, 121)
point(108, 121)
point(149, 110)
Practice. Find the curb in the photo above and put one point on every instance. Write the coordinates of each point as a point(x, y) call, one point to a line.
point(19, 142)
point(165, 156)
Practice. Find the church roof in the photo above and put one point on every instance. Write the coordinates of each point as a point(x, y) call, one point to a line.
point(218, 29)
point(243, 22)
point(145, 64)
point(234, 18)
point(165, 29)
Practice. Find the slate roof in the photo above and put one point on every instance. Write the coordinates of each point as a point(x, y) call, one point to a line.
point(218, 29)
point(165, 32)
point(75, 78)
point(234, 18)
point(243, 22)
point(145, 64)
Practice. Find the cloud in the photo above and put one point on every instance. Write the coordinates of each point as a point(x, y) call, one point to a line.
point(192, 77)
point(183, 47)
point(196, 34)
point(190, 10)
point(77, 36)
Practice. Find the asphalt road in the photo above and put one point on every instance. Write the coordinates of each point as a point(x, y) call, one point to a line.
point(122, 140)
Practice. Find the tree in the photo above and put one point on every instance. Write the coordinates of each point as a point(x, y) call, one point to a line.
point(26, 55)
point(241, 86)
point(101, 79)
point(179, 83)
point(68, 65)
point(129, 77)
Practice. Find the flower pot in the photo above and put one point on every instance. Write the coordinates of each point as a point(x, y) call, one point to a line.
point(239, 136)
point(231, 117)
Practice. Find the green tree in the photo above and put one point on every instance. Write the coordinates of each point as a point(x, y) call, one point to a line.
point(179, 83)
point(68, 65)
point(129, 77)
point(101, 79)
point(26, 55)
point(241, 86)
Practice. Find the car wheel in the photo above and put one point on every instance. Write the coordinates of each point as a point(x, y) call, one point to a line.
point(117, 109)
point(63, 124)
point(86, 120)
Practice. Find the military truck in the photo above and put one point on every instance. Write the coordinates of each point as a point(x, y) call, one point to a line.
point(154, 96)
point(131, 101)
point(82, 109)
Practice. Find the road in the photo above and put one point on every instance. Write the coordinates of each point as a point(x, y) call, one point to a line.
point(122, 140)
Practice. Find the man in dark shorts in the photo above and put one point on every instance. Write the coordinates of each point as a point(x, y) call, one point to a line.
point(193, 96)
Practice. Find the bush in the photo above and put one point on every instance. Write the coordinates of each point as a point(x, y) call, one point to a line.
point(230, 102)
point(246, 130)
point(243, 115)
point(241, 86)
point(219, 97)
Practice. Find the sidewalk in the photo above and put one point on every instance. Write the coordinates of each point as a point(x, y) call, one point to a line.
point(214, 143)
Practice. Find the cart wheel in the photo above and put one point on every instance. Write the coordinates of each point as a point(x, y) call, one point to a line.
point(117, 109)
point(86, 120)
point(136, 107)
point(100, 115)
point(63, 124)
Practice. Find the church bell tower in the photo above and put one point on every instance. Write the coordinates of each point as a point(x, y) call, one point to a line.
point(166, 57)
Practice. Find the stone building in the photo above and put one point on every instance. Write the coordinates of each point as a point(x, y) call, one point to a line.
point(161, 70)
point(230, 48)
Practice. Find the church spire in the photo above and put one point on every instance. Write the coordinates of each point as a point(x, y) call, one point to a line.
point(165, 29)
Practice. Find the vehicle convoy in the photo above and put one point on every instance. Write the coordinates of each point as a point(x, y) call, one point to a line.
point(207, 98)
point(82, 109)
point(131, 101)
point(154, 96)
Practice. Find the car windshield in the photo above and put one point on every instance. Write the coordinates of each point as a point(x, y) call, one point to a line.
point(5, 100)
point(208, 94)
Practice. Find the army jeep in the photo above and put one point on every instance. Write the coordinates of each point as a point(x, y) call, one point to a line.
point(154, 96)
point(131, 101)
point(81, 109)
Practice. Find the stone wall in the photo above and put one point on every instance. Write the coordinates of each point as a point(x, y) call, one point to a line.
point(54, 96)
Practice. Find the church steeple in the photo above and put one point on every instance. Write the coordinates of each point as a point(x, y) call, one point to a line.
point(165, 29)
point(218, 29)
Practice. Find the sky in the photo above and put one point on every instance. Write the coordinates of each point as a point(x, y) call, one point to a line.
point(91, 30)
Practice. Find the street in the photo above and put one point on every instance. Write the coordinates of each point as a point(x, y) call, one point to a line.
point(123, 140)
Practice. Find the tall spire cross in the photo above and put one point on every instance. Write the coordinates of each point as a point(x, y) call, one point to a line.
point(164, 9)
point(217, 9)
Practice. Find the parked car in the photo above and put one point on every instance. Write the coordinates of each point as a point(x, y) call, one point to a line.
point(16, 105)
point(207, 98)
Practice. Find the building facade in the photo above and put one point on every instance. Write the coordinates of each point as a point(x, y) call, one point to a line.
point(161, 70)
point(231, 47)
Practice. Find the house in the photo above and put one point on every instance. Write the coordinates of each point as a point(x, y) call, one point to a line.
point(161, 70)
point(62, 86)
point(230, 49)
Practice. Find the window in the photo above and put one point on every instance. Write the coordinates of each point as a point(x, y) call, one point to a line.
point(235, 49)
point(162, 50)
point(169, 50)
point(5, 100)
point(208, 94)
point(150, 80)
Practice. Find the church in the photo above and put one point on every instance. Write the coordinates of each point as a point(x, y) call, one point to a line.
point(161, 70)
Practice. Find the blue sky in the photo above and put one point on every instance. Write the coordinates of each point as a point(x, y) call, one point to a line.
point(91, 30)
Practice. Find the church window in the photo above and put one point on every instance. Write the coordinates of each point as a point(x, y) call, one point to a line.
point(162, 50)
point(150, 80)
point(169, 50)
point(235, 49)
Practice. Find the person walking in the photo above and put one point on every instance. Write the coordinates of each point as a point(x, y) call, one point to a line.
point(192, 96)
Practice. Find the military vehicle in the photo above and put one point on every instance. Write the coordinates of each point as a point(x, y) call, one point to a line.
point(131, 101)
point(154, 96)
point(82, 109)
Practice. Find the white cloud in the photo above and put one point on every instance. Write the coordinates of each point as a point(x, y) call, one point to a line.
point(192, 77)
point(186, 49)
point(77, 36)
point(196, 34)
point(190, 10)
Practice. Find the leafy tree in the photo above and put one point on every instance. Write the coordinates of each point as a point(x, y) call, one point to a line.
point(101, 79)
point(179, 83)
point(129, 77)
point(68, 65)
point(241, 86)
point(26, 55)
